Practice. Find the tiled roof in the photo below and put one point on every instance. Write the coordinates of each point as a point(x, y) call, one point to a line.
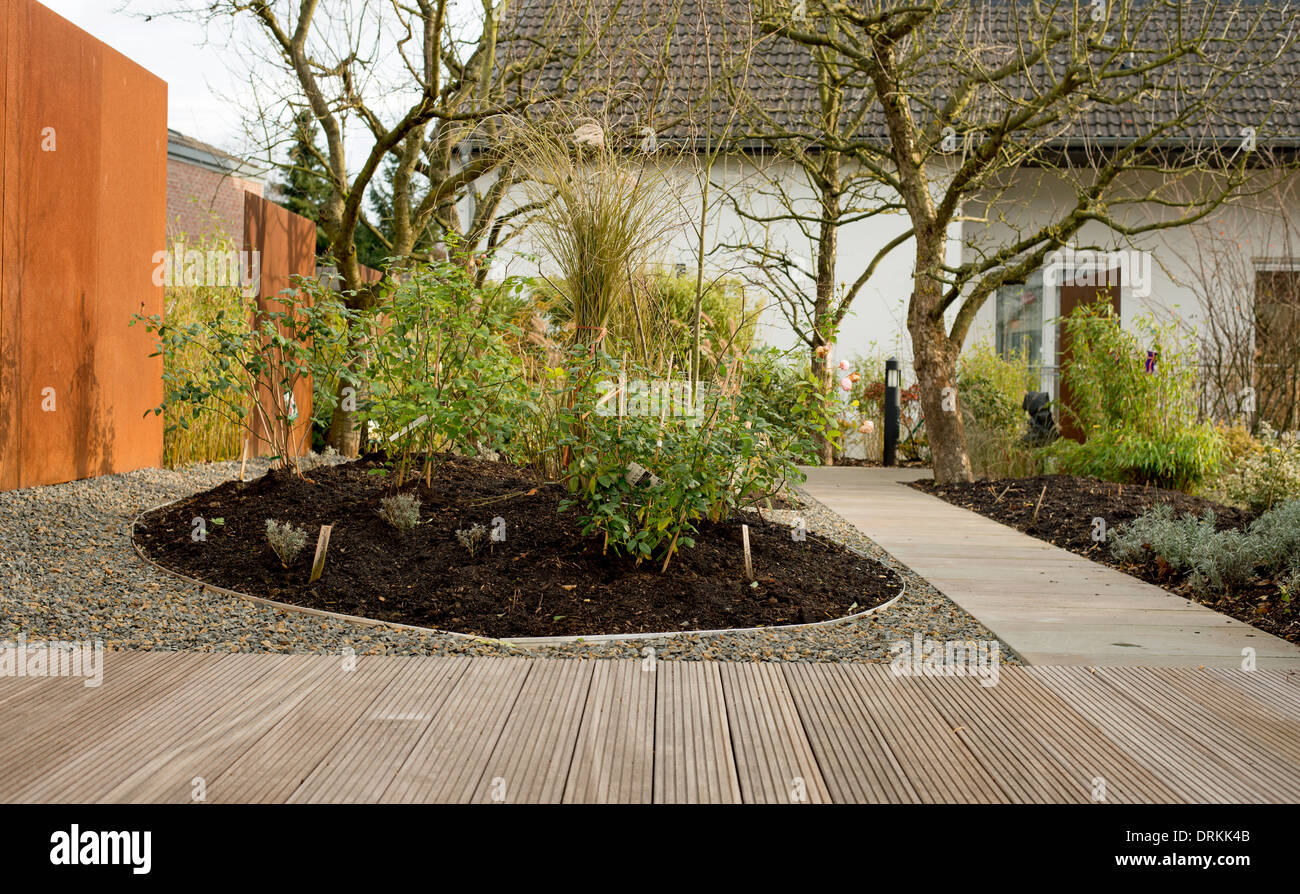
point(658, 56)
point(196, 152)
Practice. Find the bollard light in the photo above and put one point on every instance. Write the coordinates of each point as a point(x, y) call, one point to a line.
point(891, 411)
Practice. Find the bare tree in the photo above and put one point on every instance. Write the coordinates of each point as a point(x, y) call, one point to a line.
point(421, 81)
point(1114, 104)
point(1247, 288)
point(828, 192)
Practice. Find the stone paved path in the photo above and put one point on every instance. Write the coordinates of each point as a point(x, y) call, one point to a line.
point(1051, 606)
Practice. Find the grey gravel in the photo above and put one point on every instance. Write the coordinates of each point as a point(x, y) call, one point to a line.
point(68, 571)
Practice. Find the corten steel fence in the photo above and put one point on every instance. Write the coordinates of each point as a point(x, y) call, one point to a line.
point(83, 192)
point(287, 243)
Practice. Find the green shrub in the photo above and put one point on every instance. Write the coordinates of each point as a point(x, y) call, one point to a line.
point(441, 374)
point(285, 540)
point(780, 388)
point(991, 389)
point(1178, 460)
point(402, 511)
point(644, 481)
point(244, 365)
point(1214, 560)
point(1140, 423)
point(1266, 475)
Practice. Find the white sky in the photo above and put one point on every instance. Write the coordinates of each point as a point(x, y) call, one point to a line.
point(207, 74)
point(197, 76)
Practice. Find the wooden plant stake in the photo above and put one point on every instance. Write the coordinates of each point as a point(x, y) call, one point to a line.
point(243, 463)
point(749, 561)
point(1040, 504)
point(322, 546)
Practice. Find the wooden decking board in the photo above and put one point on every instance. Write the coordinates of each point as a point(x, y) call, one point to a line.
point(1080, 748)
point(856, 762)
point(447, 763)
point(35, 705)
point(185, 705)
point(1204, 725)
point(39, 736)
point(1235, 708)
point(360, 767)
point(937, 761)
point(1267, 687)
point(774, 760)
point(288, 753)
point(51, 734)
point(694, 762)
point(613, 762)
point(535, 749)
point(1184, 764)
point(27, 689)
point(276, 728)
point(206, 749)
point(1019, 763)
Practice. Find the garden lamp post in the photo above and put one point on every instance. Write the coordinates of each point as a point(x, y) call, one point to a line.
point(891, 411)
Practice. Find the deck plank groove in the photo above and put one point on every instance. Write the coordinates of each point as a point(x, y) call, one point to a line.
point(313, 728)
point(613, 761)
point(1160, 744)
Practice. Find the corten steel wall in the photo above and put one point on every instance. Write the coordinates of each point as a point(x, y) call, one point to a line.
point(287, 243)
point(78, 229)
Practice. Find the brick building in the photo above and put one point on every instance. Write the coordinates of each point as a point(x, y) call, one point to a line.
point(205, 189)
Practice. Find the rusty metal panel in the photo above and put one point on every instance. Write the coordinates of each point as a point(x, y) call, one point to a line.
point(133, 187)
point(82, 218)
point(59, 208)
point(287, 243)
point(12, 17)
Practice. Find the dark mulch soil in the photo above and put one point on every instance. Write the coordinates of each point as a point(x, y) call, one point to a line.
point(877, 464)
point(1065, 519)
point(545, 579)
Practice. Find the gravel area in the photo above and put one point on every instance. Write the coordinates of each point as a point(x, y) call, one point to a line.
point(68, 571)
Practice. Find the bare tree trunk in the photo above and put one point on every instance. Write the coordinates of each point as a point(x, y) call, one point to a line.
point(822, 369)
point(823, 325)
point(934, 355)
point(823, 374)
point(344, 434)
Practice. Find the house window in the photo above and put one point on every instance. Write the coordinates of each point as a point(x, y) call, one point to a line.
point(1020, 320)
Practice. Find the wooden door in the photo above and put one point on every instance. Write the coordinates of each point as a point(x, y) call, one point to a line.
point(1073, 296)
point(1277, 336)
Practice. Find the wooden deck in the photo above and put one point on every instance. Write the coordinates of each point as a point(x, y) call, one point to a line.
point(270, 728)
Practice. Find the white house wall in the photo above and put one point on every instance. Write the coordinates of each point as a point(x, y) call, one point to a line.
point(877, 320)
point(1178, 275)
